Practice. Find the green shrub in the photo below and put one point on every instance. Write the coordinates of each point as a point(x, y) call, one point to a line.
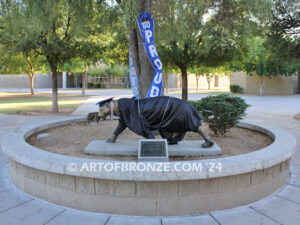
point(90, 85)
point(221, 112)
point(236, 89)
point(97, 85)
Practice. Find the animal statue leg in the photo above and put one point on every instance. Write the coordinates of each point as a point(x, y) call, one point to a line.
point(177, 138)
point(165, 134)
point(121, 127)
point(208, 143)
point(112, 139)
point(148, 134)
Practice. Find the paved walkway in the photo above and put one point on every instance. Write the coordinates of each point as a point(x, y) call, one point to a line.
point(283, 207)
point(272, 105)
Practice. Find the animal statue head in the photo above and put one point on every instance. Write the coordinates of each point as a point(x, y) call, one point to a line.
point(105, 108)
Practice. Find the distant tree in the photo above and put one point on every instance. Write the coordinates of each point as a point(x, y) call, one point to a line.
point(56, 30)
point(190, 33)
point(200, 71)
point(283, 36)
point(116, 41)
point(166, 78)
point(77, 65)
point(193, 34)
point(261, 61)
point(215, 71)
point(283, 32)
point(209, 73)
point(197, 81)
point(167, 68)
point(29, 64)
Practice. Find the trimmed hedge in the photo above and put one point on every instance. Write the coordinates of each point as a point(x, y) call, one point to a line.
point(221, 112)
point(90, 85)
point(236, 89)
point(97, 85)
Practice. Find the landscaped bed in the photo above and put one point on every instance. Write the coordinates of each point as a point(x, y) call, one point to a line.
point(72, 139)
point(244, 178)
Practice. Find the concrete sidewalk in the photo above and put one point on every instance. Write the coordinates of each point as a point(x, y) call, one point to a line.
point(88, 106)
point(272, 105)
point(282, 207)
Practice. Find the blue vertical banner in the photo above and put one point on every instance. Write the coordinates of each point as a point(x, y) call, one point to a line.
point(146, 27)
point(133, 77)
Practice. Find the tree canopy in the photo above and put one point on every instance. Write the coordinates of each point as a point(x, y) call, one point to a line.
point(57, 30)
point(260, 36)
point(201, 33)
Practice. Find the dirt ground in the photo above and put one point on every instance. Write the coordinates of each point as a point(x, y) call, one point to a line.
point(72, 139)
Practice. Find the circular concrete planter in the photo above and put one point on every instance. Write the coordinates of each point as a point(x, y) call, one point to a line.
point(75, 183)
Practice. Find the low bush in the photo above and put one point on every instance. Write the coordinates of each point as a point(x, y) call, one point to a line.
point(90, 85)
point(236, 89)
point(221, 112)
point(97, 85)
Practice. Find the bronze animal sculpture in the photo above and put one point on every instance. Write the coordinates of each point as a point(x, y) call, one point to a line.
point(93, 116)
point(170, 116)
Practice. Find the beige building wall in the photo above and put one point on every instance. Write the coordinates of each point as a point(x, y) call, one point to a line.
point(216, 82)
point(23, 81)
point(293, 80)
point(272, 86)
point(238, 78)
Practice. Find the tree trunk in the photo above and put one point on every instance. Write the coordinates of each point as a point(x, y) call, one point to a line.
point(83, 83)
point(142, 64)
point(31, 84)
point(197, 82)
point(184, 83)
point(216, 81)
point(54, 89)
point(208, 79)
point(167, 82)
point(298, 85)
point(30, 75)
point(261, 85)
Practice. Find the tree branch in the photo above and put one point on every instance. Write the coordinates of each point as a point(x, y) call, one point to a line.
point(68, 26)
point(53, 28)
point(31, 67)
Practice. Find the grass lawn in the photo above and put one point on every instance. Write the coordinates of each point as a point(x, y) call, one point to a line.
point(11, 103)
